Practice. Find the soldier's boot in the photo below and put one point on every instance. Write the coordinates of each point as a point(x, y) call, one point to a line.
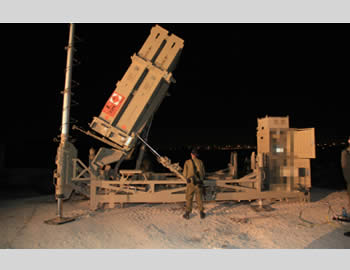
point(186, 215)
point(347, 234)
point(202, 214)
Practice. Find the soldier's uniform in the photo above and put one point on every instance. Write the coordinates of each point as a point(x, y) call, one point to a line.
point(194, 184)
point(345, 164)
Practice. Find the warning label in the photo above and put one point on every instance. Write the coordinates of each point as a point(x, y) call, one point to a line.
point(113, 104)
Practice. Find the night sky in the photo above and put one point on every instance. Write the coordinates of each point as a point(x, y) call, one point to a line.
point(228, 76)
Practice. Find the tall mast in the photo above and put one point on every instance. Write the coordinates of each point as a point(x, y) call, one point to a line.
point(67, 87)
point(63, 150)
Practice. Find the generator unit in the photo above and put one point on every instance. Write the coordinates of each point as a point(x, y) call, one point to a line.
point(284, 154)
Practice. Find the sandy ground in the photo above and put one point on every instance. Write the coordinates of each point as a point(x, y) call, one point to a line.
point(228, 225)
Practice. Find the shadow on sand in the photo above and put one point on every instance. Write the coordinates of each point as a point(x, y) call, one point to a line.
point(317, 194)
point(334, 239)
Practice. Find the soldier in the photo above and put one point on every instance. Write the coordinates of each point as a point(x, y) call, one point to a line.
point(345, 164)
point(109, 173)
point(194, 173)
point(102, 173)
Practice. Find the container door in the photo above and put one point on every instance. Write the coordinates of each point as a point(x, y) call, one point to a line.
point(304, 143)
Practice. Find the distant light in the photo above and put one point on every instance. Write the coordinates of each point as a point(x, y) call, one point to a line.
point(279, 150)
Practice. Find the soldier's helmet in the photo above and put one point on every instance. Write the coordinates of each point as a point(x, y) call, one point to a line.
point(195, 152)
